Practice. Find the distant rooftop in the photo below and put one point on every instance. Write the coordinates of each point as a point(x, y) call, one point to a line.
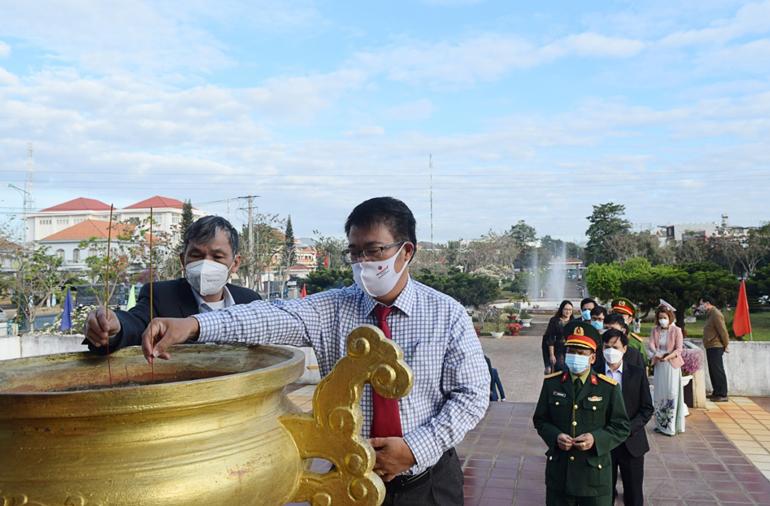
point(157, 202)
point(89, 229)
point(79, 204)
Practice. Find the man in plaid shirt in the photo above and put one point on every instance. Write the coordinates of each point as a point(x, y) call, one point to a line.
point(414, 437)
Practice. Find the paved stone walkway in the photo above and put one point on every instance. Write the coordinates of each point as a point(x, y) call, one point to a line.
point(722, 459)
point(504, 464)
point(747, 426)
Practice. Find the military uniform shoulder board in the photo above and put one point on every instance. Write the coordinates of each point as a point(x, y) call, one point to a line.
point(608, 379)
point(552, 375)
point(637, 337)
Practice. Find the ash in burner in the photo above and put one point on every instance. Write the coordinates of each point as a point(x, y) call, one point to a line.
point(142, 380)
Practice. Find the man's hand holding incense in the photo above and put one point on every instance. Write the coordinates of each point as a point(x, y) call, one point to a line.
point(162, 333)
point(101, 324)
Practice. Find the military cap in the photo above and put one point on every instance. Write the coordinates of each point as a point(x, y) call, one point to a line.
point(587, 329)
point(578, 339)
point(624, 306)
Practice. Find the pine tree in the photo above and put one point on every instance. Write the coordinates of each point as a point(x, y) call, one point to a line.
point(289, 249)
point(187, 220)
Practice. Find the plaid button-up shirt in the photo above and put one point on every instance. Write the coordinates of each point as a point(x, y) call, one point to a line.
point(451, 381)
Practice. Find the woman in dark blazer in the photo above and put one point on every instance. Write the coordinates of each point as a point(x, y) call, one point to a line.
point(553, 339)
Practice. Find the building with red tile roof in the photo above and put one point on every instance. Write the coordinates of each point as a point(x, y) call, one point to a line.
point(91, 229)
point(157, 202)
point(78, 204)
point(167, 214)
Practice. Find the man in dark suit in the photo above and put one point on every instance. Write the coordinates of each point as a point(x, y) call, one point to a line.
point(209, 256)
point(629, 456)
point(632, 355)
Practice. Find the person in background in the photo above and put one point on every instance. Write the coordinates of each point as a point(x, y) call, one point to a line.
point(586, 305)
point(665, 349)
point(628, 457)
point(581, 417)
point(715, 340)
point(414, 438)
point(496, 391)
point(617, 322)
point(598, 314)
point(630, 356)
point(553, 338)
point(626, 309)
point(209, 257)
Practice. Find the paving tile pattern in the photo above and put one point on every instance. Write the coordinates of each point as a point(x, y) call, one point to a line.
point(720, 460)
point(747, 425)
point(504, 464)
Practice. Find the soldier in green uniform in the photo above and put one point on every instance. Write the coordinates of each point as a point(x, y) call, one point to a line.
point(627, 310)
point(581, 417)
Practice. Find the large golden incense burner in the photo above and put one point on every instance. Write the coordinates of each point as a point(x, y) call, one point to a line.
point(212, 426)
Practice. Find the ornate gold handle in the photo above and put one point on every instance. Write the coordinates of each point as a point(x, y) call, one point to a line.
point(333, 430)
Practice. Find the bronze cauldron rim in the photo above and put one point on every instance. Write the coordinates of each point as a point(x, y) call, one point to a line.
point(186, 393)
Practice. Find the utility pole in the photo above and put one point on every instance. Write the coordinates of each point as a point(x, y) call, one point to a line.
point(252, 279)
point(26, 195)
point(26, 198)
point(28, 190)
point(432, 247)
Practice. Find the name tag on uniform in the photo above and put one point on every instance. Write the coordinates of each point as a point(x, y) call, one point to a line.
point(595, 398)
point(559, 394)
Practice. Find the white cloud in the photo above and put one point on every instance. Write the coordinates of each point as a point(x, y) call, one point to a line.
point(751, 19)
point(301, 98)
point(366, 131)
point(597, 45)
point(484, 57)
point(5, 49)
point(416, 110)
point(451, 3)
point(752, 57)
point(170, 38)
point(106, 37)
point(6, 78)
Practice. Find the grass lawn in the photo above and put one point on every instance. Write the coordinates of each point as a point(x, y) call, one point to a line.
point(760, 325)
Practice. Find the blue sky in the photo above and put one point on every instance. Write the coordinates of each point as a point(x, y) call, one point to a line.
point(533, 111)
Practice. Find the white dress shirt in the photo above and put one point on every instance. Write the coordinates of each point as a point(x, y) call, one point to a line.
point(616, 375)
point(451, 379)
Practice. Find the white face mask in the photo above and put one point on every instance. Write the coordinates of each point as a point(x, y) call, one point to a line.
point(663, 322)
point(612, 356)
point(206, 276)
point(378, 278)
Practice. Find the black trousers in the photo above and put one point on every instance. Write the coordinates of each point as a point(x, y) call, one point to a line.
point(632, 474)
point(442, 485)
point(717, 371)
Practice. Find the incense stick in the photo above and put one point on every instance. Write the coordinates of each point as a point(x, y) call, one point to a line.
point(152, 364)
point(107, 289)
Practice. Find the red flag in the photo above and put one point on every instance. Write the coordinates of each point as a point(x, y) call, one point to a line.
point(741, 321)
point(326, 261)
point(303, 292)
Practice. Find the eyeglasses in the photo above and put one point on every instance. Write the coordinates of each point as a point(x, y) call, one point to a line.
point(352, 256)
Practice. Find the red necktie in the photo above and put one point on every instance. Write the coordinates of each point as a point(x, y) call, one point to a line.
point(386, 420)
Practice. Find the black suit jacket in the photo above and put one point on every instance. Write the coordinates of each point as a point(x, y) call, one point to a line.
point(638, 401)
point(171, 299)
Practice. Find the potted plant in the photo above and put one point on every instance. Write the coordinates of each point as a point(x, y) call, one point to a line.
point(526, 318)
point(692, 364)
point(494, 313)
point(514, 328)
point(512, 313)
